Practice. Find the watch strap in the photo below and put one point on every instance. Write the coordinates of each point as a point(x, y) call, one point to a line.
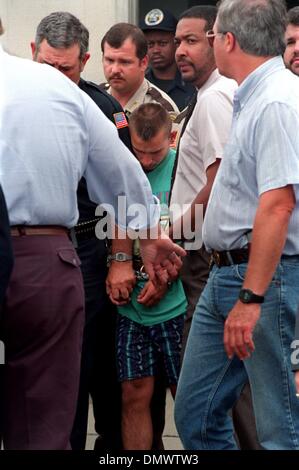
point(120, 257)
point(248, 297)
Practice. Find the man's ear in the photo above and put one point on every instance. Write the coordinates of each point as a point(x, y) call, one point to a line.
point(33, 48)
point(144, 63)
point(230, 42)
point(84, 60)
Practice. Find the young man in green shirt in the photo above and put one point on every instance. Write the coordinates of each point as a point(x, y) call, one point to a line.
point(149, 326)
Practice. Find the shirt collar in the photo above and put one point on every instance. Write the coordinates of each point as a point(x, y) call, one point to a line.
point(138, 97)
point(212, 79)
point(248, 86)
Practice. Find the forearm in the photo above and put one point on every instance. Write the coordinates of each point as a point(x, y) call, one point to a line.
point(268, 239)
point(201, 200)
point(193, 217)
point(121, 242)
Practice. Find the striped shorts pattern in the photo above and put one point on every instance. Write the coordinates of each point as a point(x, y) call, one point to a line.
point(140, 349)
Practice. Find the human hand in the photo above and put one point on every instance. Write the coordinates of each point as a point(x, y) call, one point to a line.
point(120, 282)
point(151, 294)
point(238, 329)
point(161, 257)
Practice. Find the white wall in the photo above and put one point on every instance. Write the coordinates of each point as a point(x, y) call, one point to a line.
point(21, 17)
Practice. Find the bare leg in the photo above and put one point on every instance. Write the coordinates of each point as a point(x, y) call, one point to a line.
point(137, 429)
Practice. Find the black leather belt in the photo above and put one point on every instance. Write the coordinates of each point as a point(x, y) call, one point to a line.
point(86, 230)
point(227, 258)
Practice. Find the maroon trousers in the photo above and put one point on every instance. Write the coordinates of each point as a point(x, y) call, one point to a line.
point(42, 325)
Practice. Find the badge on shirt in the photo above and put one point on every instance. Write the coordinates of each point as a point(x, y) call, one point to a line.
point(120, 120)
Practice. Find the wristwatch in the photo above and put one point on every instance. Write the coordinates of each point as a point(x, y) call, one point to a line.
point(120, 256)
point(248, 297)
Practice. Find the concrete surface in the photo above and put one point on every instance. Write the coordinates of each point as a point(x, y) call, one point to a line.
point(170, 437)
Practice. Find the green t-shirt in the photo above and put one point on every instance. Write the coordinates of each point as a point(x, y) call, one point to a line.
point(174, 302)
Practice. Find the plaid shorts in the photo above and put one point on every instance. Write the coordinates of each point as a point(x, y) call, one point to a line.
point(140, 349)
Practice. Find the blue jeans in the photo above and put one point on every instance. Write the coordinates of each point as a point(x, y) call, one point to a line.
point(210, 383)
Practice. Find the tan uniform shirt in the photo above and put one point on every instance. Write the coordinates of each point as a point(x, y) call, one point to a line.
point(149, 93)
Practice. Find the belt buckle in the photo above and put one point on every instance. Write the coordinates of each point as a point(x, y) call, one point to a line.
point(216, 258)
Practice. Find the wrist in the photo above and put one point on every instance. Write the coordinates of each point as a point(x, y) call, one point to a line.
point(119, 257)
point(247, 296)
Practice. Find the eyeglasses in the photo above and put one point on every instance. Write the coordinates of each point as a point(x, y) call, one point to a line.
point(210, 35)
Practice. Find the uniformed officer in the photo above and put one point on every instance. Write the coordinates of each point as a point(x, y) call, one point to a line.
point(62, 41)
point(125, 62)
point(159, 27)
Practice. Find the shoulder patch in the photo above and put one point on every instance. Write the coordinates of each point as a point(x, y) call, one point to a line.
point(120, 120)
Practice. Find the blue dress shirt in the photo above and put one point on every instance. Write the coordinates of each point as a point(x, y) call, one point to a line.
point(52, 134)
point(262, 154)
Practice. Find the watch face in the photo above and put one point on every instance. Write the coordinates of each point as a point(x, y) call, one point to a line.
point(246, 296)
point(121, 257)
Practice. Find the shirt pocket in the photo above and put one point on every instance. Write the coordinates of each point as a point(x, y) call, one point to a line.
point(230, 165)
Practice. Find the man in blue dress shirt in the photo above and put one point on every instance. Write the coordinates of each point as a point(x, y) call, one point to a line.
point(51, 135)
